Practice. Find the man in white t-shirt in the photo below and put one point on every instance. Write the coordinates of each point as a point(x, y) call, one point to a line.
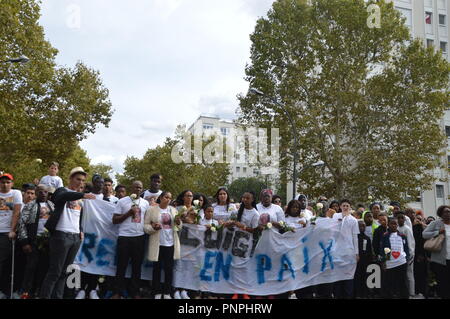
point(52, 179)
point(129, 215)
point(66, 233)
point(108, 191)
point(348, 245)
point(155, 189)
point(304, 212)
point(10, 206)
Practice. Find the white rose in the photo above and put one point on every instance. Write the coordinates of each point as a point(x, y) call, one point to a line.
point(133, 196)
point(38, 160)
point(213, 229)
point(387, 250)
point(101, 280)
point(282, 223)
point(269, 225)
point(231, 209)
point(196, 202)
point(390, 208)
point(319, 205)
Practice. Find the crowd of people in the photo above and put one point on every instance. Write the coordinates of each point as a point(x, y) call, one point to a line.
point(41, 232)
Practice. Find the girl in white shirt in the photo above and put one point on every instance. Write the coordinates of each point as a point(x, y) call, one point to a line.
point(223, 208)
point(293, 217)
point(248, 216)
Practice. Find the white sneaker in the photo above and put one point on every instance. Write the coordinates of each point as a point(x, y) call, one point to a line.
point(3, 296)
point(167, 297)
point(292, 296)
point(158, 296)
point(15, 295)
point(93, 295)
point(81, 295)
point(176, 295)
point(184, 295)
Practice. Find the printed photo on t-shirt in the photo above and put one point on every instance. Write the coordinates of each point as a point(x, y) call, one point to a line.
point(7, 203)
point(74, 205)
point(264, 219)
point(43, 214)
point(137, 216)
point(166, 221)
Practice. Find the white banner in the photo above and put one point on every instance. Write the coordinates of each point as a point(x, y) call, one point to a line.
point(228, 261)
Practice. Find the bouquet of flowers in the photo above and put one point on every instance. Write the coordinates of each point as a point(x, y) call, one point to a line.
point(390, 211)
point(42, 241)
point(285, 228)
point(387, 253)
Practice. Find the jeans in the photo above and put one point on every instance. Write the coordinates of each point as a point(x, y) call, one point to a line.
point(5, 252)
point(397, 282)
point(443, 278)
point(343, 289)
point(166, 259)
point(63, 250)
point(129, 248)
point(36, 266)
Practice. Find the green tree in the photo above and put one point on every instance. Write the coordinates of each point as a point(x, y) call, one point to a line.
point(102, 169)
point(366, 101)
point(244, 184)
point(45, 110)
point(199, 177)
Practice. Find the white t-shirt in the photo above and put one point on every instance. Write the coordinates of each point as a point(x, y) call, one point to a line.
point(273, 213)
point(349, 234)
point(148, 195)
point(396, 251)
point(52, 181)
point(132, 226)
point(250, 218)
point(112, 199)
point(307, 214)
point(69, 222)
point(295, 221)
point(447, 238)
point(166, 232)
point(221, 214)
point(7, 203)
point(405, 230)
point(43, 217)
point(98, 196)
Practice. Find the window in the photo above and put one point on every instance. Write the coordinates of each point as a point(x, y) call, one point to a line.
point(442, 19)
point(407, 14)
point(244, 170)
point(225, 131)
point(428, 18)
point(207, 126)
point(447, 131)
point(448, 160)
point(238, 169)
point(440, 191)
point(255, 171)
point(238, 156)
point(444, 47)
point(430, 43)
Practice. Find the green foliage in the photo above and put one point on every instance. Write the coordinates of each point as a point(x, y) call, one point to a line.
point(366, 101)
point(241, 185)
point(45, 110)
point(199, 177)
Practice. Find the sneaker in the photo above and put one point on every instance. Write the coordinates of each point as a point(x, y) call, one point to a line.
point(25, 295)
point(108, 295)
point(235, 296)
point(158, 296)
point(93, 295)
point(81, 295)
point(15, 295)
point(246, 296)
point(292, 296)
point(167, 297)
point(177, 295)
point(3, 296)
point(184, 295)
point(116, 296)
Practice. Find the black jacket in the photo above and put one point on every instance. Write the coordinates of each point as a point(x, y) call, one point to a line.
point(377, 236)
point(364, 255)
point(29, 222)
point(60, 198)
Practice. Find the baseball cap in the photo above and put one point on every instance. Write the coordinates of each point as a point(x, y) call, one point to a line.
point(9, 176)
point(77, 170)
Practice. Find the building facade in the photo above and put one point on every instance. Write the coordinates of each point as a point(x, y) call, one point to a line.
point(428, 20)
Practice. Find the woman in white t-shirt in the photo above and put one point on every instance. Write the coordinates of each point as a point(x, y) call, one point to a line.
point(162, 224)
point(269, 212)
point(293, 217)
point(248, 216)
point(223, 208)
point(202, 203)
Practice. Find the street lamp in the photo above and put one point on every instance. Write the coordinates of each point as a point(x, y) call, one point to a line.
point(21, 59)
point(294, 133)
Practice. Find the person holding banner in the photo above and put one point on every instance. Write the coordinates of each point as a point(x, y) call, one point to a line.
point(163, 224)
point(223, 208)
point(248, 216)
point(349, 245)
point(129, 215)
point(89, 281)
point(108, 191)
point(268, 212)
point(155, 188)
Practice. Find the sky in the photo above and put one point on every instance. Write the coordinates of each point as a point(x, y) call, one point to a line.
point(165, 62)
